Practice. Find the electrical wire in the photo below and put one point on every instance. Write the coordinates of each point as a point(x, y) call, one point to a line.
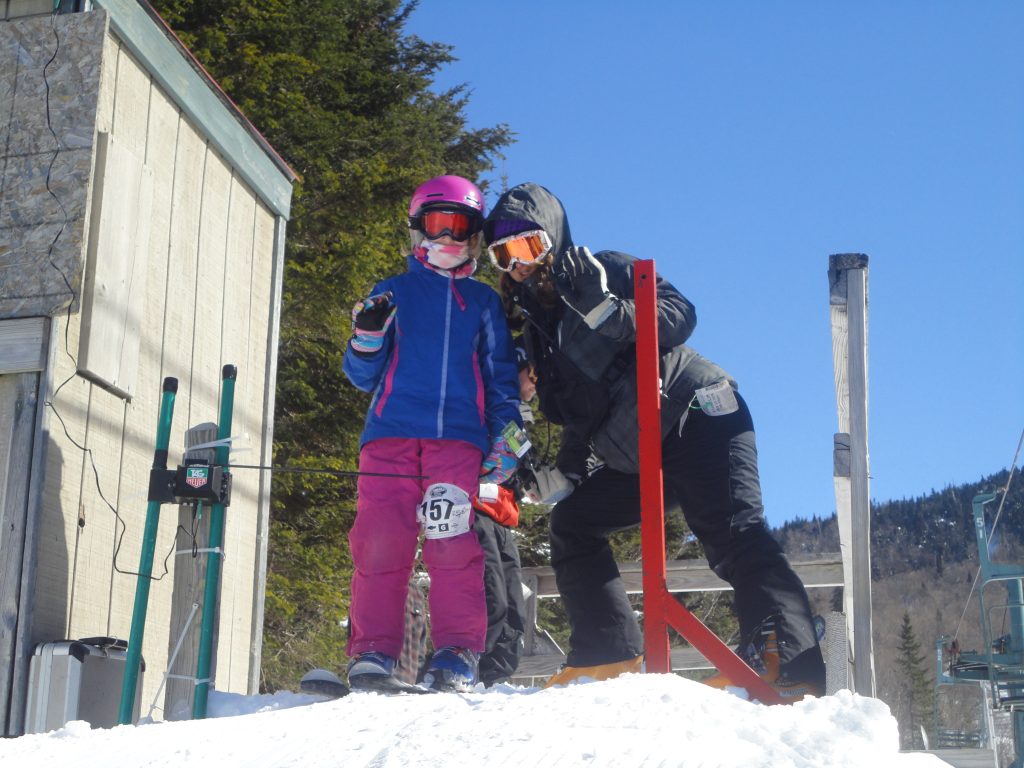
point(50, 402)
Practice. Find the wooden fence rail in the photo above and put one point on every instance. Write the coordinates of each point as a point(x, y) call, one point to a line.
point(542, 657)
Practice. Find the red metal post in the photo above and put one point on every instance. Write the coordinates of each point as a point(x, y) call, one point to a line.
point(661, 609)
point(717, 652)
point(652, 501)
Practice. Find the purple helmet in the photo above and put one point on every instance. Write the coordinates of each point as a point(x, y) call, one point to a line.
point(448, 190)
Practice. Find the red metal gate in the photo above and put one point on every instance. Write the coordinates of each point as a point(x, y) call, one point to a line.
point(661, 609)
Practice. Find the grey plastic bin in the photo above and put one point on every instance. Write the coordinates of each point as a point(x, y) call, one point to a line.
point(77, 680)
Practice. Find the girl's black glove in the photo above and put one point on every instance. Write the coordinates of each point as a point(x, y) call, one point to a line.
point(371, 319)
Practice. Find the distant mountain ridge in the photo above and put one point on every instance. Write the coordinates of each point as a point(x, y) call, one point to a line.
point(929, 531)
point(924, 561)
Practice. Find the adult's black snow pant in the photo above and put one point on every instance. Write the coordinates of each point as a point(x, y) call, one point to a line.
point(506, 609)
point(711, 470)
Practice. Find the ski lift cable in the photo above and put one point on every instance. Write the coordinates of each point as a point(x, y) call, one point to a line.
point(988, 539)
point(967, 603)
point(1006, 488)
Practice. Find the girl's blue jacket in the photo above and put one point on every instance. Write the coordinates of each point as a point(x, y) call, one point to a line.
point(447, 367)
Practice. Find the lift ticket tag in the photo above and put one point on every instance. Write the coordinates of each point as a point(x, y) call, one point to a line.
point(516, 439)
point(717, 400)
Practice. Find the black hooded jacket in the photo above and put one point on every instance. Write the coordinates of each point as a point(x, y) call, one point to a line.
point(587, 377)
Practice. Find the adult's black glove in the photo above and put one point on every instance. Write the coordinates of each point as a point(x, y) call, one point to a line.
point(583, 285)
point(371, 318)
point(572, 459)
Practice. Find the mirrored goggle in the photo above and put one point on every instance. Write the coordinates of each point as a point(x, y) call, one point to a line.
point(524, 248)
point(458, 225)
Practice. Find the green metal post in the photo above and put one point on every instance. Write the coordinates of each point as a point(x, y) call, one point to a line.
point(213, 559)
point(134, 652)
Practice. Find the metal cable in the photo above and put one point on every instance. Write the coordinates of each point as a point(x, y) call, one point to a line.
point(988, 537)
point(317, 471)
point(1006, 488)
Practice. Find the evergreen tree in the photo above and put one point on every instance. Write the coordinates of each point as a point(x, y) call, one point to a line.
point(916, 692)
point(343, 93)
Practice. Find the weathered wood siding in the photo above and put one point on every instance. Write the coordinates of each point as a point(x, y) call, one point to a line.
point(207, 303)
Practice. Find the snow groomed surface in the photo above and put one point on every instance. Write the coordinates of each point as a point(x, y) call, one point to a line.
point(634, 721)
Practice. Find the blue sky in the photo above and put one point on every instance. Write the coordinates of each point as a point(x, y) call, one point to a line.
point(739, 144)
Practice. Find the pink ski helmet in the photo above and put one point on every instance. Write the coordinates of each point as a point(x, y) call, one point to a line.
point(446, 205)
point(450, 190)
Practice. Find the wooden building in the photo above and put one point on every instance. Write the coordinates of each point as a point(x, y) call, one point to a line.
point(142, 225)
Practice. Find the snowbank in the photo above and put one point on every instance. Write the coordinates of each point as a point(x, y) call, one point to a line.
point(636, 720)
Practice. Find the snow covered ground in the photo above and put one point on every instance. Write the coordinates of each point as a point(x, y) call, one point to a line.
point(634, 721)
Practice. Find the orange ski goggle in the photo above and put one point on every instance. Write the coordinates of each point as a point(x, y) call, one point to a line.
point(524, 248)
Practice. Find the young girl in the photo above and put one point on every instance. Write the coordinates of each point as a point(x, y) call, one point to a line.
point(433, 346)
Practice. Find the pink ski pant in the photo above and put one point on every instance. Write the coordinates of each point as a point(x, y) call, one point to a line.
point(384, 540)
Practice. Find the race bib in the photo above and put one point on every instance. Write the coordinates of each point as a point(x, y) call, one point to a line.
point(445, 511)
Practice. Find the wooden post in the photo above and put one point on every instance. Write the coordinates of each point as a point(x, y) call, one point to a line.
point(191, 541)
point(22, 643)
point(18, 405)
point(266, 458)
point(848, 296)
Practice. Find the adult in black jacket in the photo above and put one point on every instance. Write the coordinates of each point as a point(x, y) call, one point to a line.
point(579, 332)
